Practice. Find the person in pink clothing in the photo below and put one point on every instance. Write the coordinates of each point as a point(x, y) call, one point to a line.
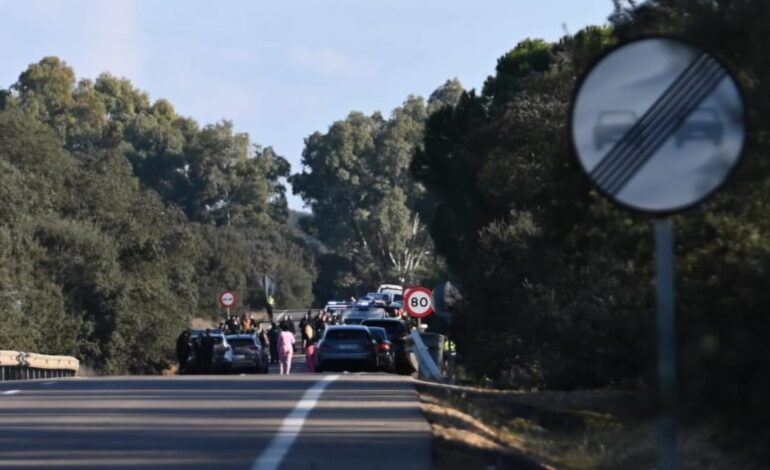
point(285, 349)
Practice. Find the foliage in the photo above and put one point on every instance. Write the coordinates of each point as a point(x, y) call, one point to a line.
point(365, 202)
point(558, 281)
point(120, 220)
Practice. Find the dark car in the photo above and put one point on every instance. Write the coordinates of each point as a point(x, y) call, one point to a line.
point(701, 124)
point(347, 347)
point(397, 334)
point(223, 354)
point(386, 361)
point(356, 315)
point(249, 354)
point(611, 126)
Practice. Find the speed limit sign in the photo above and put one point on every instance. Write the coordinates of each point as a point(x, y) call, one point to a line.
point(418, 303)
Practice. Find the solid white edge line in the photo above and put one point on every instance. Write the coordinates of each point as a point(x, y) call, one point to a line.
point(273, 455)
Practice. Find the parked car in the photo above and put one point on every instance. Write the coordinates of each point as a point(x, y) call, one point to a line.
point(223, 353)
point(347, 347)
point(373, 299)
point(249, 353)
point(386, 361)
point(359, 313)
point(397, 335)
point(394, 292)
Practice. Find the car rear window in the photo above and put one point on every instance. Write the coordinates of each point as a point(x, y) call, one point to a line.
point(240, 342)
point(393, 328)
point(378, 333)
point(346, 334)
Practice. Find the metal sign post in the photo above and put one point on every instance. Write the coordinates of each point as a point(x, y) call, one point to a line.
point(667, 388)
point(658, 125)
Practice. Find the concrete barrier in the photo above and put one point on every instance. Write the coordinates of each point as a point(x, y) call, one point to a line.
point(19, 365)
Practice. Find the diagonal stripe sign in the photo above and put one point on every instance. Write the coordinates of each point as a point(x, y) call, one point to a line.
point(688, 136)
point(658, 124)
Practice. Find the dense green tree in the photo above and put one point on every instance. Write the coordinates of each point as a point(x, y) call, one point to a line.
point(366, 204)
point(120, 220)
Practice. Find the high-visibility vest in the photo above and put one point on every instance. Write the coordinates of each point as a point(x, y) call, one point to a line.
point(270, 300)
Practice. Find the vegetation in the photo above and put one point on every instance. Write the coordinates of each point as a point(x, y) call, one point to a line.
point(366, 205)
point(558, 281)
point(120, 220)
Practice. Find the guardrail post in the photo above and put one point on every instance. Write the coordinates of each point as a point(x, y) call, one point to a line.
point(2, 373)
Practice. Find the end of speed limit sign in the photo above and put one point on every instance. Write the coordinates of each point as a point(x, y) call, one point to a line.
point(418, 302)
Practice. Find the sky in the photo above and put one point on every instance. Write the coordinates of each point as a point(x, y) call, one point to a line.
point(281, 70)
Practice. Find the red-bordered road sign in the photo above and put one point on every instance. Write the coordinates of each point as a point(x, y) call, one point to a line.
point(417, 302)
point(228, 299)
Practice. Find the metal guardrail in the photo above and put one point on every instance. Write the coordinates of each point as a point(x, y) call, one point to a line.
point(427, 367)
point(19, 365)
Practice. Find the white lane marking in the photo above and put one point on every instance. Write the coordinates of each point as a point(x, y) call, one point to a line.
point(275, 452)
point(48, 383)
point(10, 392)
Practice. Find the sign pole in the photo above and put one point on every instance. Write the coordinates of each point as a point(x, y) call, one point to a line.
point(667, 387)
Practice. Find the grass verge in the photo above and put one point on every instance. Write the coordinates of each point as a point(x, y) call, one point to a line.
point(581, 430)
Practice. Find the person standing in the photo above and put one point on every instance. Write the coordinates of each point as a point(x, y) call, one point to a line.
point(264, 339)
point(270, 305)
point(310, 348)
point(285, 350)
point(245, 324)
point(183, 350)
point(272, 337)
point(306, 320)
point(207, 352)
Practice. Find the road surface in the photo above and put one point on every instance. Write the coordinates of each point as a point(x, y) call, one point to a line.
point(370, 421)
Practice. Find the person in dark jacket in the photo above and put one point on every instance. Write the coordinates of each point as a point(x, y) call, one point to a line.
point(183, 350)
point(272, 337)
point(207, 352)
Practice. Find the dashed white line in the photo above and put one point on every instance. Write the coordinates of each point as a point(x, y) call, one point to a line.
point(276, 451)
point(10, 392)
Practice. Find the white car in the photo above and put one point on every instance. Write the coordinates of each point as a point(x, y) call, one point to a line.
point(393, 291)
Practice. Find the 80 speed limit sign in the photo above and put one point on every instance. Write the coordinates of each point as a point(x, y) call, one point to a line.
point(418, 302)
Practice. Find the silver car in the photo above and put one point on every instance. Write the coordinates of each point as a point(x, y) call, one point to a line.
point(248, 353)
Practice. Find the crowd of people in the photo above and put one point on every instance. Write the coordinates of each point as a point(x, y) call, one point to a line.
point(276, 337)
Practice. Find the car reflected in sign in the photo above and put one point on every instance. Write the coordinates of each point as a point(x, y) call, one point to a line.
point(611, 126)
point(701, 124)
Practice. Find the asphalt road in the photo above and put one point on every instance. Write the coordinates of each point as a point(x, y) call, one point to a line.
point(370, 421)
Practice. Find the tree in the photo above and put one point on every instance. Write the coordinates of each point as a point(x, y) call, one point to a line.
point(365, 203)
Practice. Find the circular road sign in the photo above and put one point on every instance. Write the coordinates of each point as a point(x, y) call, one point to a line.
point(658, 125)
point(227, 299)
point(418, 302)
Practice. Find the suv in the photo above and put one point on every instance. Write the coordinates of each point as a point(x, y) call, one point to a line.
point(248, 353)
point(394, 292)
point(357, 314)
point(397, 334)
